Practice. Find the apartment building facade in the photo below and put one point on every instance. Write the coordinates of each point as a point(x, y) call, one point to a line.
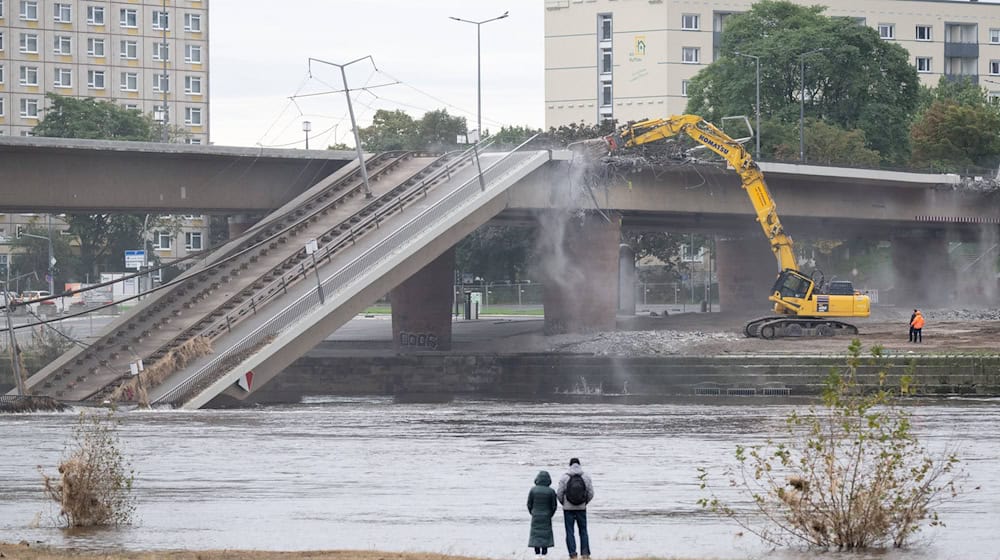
point(633, 59)
point(148, 55)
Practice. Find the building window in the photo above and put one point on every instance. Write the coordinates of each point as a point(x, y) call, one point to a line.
point(690, 22)
point(63, 45)
point(192, 241)
point(28, 76)
point(62, 78)
point(3, 108)
point(161, 51)
point(923, 33)
point(192, 85)
point(684, 87)
point(994, 97)
point(3, 74)
point(161, 83)
point(607, 94)
point(29, 108)
point(690, 55)
point(95, 47)
point(887, 31)
point(159, 113)
point(161, 21)
point(193, 141)
point(29, 10)
point(192, 23)
point(162, 240)
point(192, 116)
point(95, 15)
point(130, 81)
point(995, 68)
point(606, 61)
point(923, 64)
point(95, 79)
point(128, 17)
point(995, 36)
point(1, 9)
point(130, 107)
point(604, 27)
point(687, 255)
point(192, 54)
point(62, 13)
point(2, 42)
point(129, 50)
point(29, 43)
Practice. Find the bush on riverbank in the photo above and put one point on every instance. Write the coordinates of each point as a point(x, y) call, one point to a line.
point(848, 474)
point(36, 353)
point(94, 485)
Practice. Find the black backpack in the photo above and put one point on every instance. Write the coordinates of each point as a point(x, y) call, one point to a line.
point(576, 490)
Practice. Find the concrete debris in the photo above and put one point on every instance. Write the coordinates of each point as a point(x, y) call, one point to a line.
point(635, 343)
point(962, 314)
point(980, 184)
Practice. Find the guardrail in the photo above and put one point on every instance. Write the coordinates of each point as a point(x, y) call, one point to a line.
point(350, 272)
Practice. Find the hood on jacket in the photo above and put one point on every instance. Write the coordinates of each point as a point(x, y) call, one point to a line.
point(574, 469)
point(543, 479)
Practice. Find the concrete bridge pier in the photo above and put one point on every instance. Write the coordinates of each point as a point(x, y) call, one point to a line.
point(579, 262)
point(924, 275)
point(746, 273)
point(421, 307)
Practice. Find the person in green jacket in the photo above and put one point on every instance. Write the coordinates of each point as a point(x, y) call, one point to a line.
point(542, 506)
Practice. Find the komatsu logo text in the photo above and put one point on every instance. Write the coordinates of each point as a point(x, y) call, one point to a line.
point(709, 142)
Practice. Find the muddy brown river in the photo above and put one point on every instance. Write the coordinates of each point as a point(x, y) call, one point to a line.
point(338, 473)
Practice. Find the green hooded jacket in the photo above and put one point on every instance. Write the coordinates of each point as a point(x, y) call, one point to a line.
point(542, 506)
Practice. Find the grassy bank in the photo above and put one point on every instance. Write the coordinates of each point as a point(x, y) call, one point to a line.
point(24, 552)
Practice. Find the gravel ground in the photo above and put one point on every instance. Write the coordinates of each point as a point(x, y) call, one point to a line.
point(706, 334)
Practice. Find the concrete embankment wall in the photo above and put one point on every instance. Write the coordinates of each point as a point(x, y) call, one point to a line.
point(553, 375)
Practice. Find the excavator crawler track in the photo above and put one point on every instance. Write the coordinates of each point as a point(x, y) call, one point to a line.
point(770, 328)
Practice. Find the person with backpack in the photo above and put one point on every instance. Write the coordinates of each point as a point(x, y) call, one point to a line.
point(575, 491)
point(542, 507)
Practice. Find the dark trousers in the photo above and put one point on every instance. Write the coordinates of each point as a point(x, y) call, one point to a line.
point(543, 550)
point(916, 335)
point(579, 517)
point(911, 333)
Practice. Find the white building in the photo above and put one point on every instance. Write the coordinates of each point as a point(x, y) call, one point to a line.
point(632, 59)
point(142, 54)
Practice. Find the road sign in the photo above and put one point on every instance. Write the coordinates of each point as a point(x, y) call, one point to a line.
point(135, 259)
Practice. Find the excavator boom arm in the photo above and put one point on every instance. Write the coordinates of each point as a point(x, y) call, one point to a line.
point(703, 132)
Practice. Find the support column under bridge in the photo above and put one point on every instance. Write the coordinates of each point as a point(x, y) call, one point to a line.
point(579, 261)
point(746, 272)
point(421, 307)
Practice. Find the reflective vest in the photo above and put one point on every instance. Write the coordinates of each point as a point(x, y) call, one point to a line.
point(918, 321)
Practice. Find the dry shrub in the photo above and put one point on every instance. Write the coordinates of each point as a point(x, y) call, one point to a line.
point(173, 361)
point(94, 485)
point(850, 474)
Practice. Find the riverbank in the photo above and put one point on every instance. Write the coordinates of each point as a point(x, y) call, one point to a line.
point(39, 552)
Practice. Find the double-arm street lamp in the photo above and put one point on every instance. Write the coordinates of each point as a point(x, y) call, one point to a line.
point(479, 72)
point(756, 60)
point(802, 100)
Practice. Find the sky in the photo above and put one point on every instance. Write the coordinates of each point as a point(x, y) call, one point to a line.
point(259, 70)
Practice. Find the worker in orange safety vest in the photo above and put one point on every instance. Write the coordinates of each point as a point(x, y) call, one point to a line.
point(916, 326)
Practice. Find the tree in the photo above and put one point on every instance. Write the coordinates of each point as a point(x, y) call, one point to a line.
point(849, 474)
point(390, 130)
point(439, 131)
point(510, 136)
point(826, 144)
point(858, 82)
point(104, 238)
point(957, 129)
point(31, 254)
point(71, 117)
point(496, 253)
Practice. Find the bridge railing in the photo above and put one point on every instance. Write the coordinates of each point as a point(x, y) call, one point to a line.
point(347, 275)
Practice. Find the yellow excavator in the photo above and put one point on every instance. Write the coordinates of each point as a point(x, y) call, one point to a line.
point(803, 306)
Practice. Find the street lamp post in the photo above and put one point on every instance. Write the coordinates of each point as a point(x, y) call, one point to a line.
point(479, 73)
point(306, 127)
point(802, 101)
point(756, 60)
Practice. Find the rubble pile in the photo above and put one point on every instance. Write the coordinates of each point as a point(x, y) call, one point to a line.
point(963, 314)
point(636, 343)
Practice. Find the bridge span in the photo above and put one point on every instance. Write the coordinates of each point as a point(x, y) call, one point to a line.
point(247, 310)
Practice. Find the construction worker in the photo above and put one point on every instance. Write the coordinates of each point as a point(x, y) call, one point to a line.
point(916, 326)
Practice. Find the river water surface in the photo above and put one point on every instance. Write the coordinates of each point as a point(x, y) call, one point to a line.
point(371, 474)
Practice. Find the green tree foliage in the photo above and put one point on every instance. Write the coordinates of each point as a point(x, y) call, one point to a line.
point(959, 128)
point(859, 81)
point(104, 238)
point(31, 254)
point(396, 130)
point(70, 117)
point(849, 474)
point(510, 136)
point(825, 144)
point(664, 247)
point(496, 253)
